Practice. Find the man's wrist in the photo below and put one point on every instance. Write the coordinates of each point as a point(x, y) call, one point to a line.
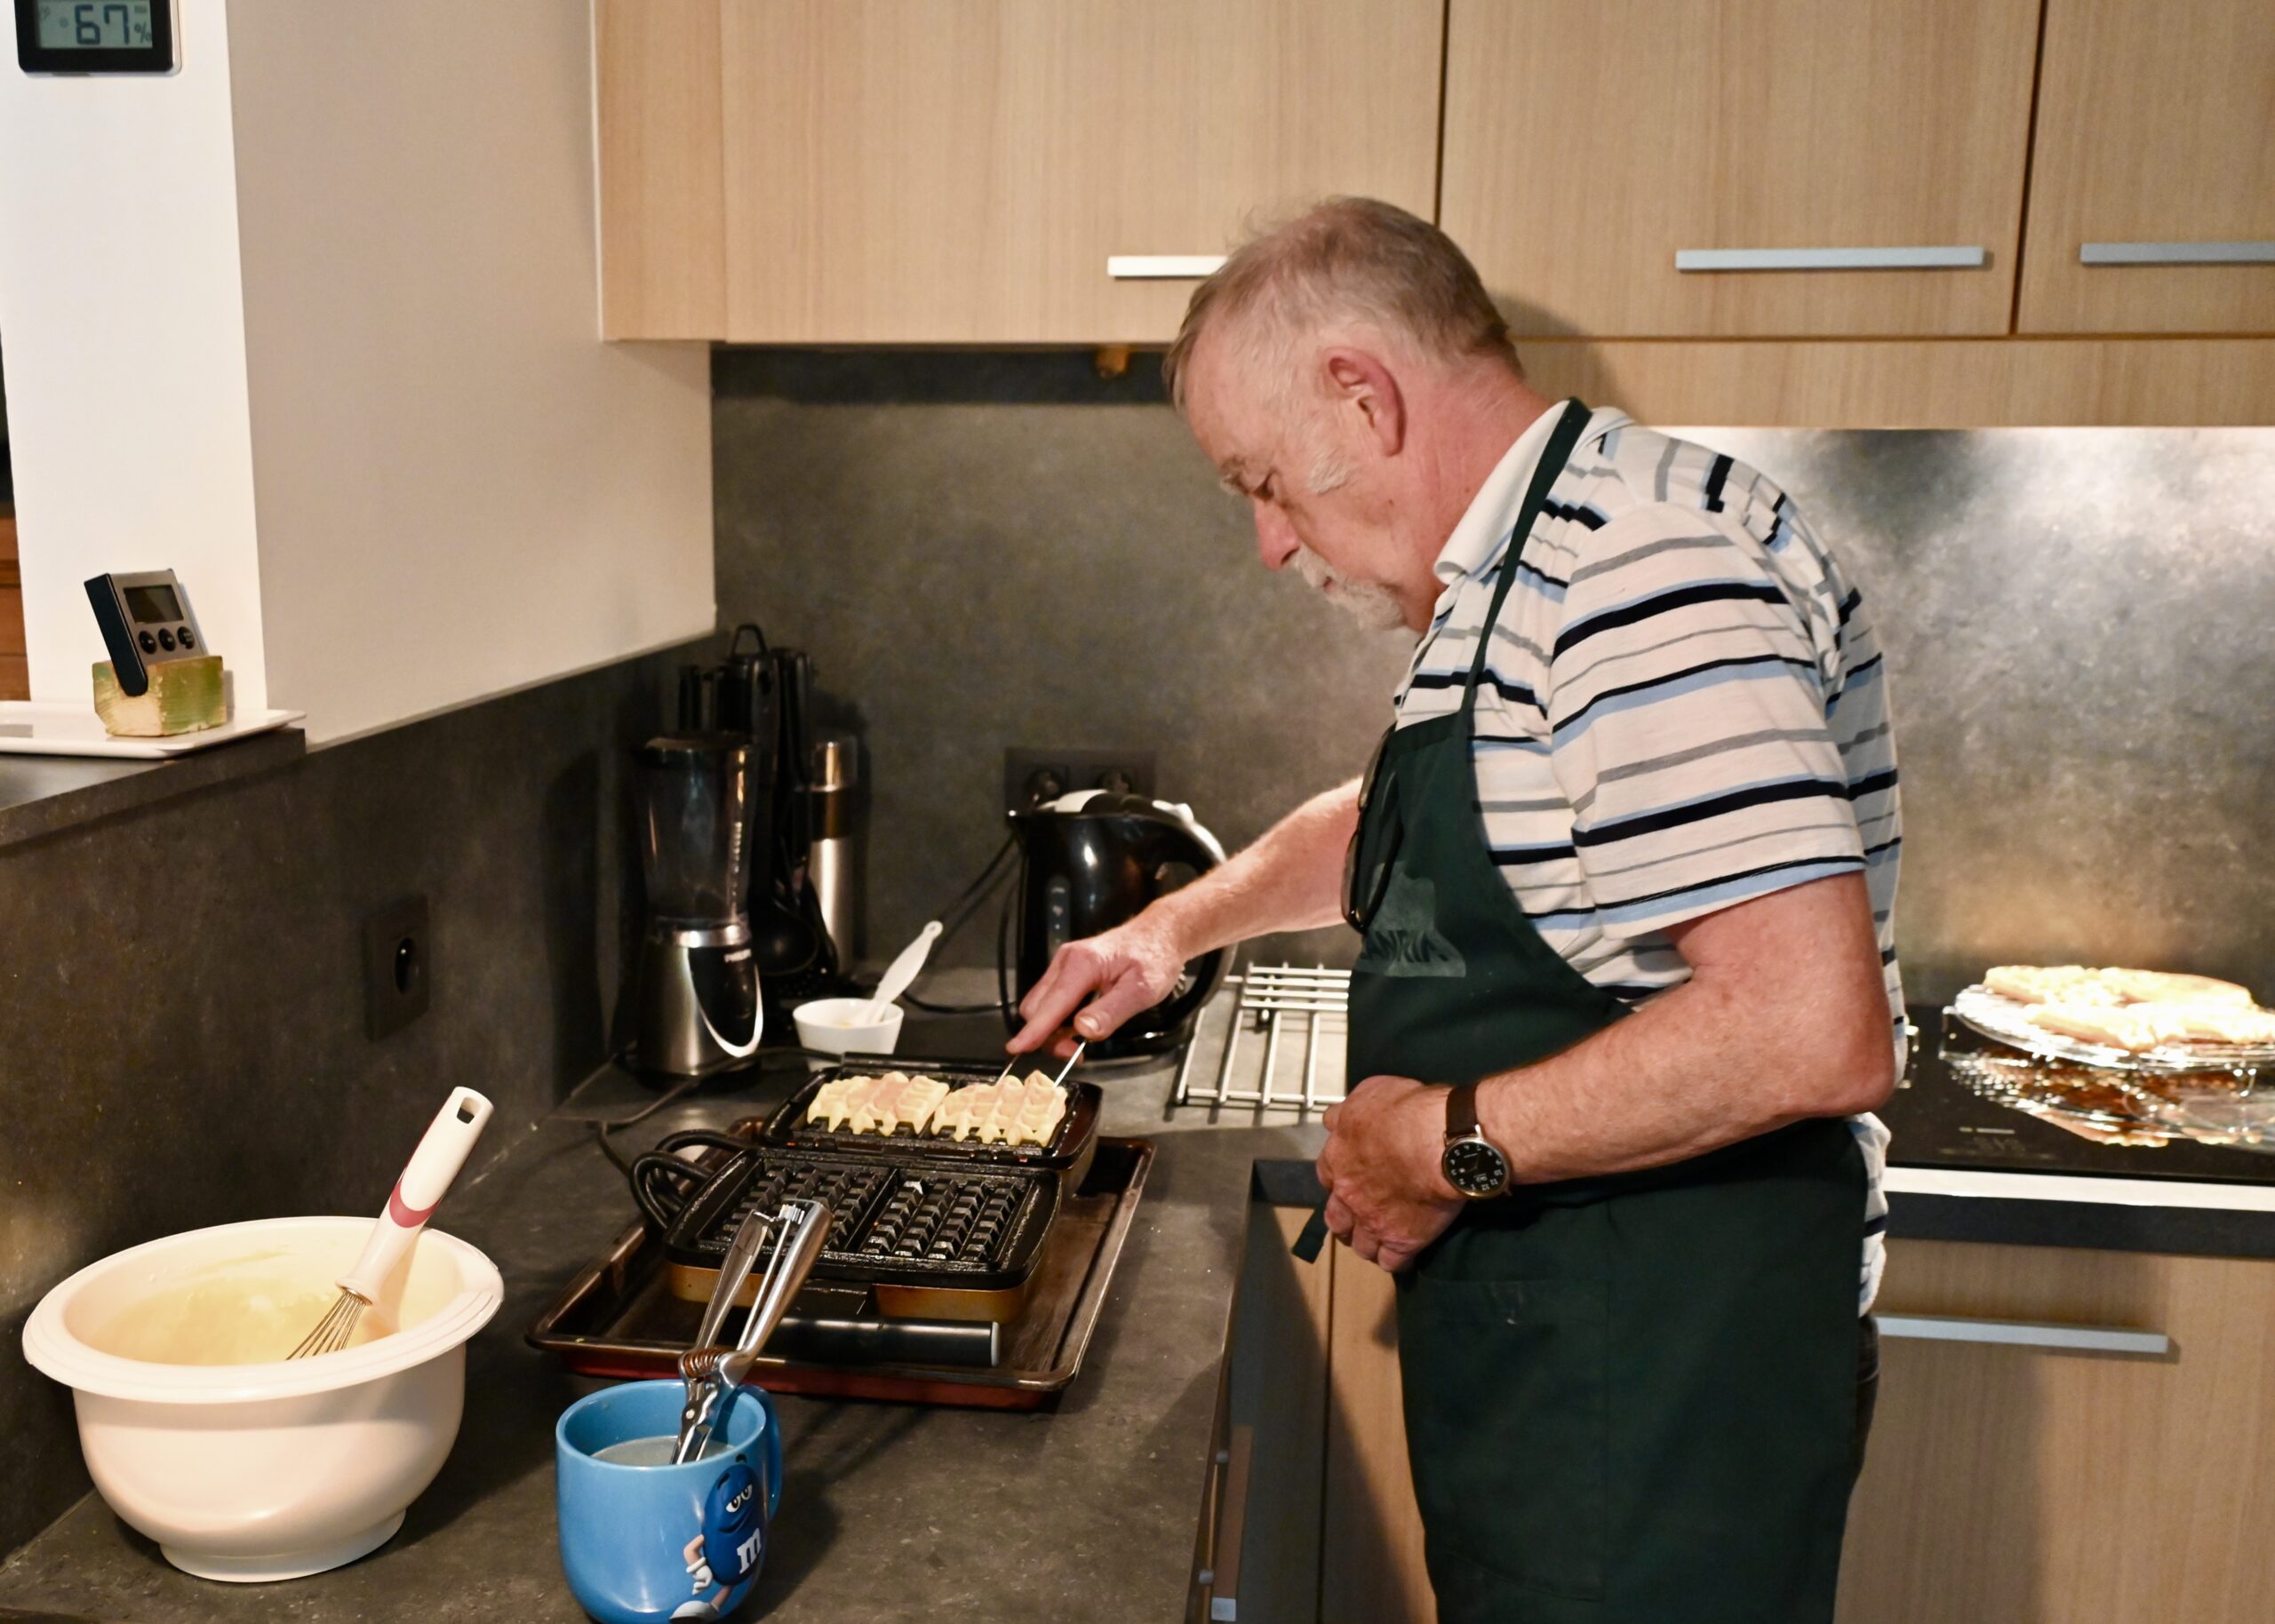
point(1474, 1165)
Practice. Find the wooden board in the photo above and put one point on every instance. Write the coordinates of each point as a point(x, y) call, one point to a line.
point(1587, 141)
point(663, 213)
point(957, 172)
point(2014, 1483)
point(2156, 123)
point(15, 672)
point(1924, 383)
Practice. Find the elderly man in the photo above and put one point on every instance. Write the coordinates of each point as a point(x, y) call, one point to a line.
point(1623, 865)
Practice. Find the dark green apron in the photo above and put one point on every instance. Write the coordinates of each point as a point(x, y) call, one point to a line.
point(1629, 1399)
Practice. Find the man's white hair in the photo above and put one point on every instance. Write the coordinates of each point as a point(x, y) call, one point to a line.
point(1346, 261)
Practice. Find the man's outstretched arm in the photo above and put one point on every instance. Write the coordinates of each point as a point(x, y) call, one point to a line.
point(1289, 880)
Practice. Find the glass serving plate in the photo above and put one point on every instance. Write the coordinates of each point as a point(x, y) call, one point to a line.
point(2213, 1104)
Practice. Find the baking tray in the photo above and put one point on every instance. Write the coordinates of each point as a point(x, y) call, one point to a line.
point(618, 1318)
point(1068, 1152)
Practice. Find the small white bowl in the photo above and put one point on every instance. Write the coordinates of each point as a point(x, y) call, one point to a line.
point(833, 1024)
point(276, 1471)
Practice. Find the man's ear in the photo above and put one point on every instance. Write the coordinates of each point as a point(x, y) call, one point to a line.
point(1359, 379)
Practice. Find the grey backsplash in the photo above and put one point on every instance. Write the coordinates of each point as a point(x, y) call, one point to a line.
point(182, 1015)
point(982, 550)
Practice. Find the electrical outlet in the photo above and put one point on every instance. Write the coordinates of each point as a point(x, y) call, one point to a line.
point(398, 967)
point(1033, 775)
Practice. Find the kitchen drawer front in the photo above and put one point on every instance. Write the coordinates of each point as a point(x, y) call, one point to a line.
point(1740, 168)
point(2152, 183)
point(923, 172)
point(2007, 1480)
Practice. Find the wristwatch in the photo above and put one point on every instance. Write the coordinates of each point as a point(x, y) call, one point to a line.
point(1472, 1163)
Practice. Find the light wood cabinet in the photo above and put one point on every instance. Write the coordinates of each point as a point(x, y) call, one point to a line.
point(2015, 1482)
point(1309, 1516)
point(960, 170)
point(2156, 137)
point(662, 203)
point(1589, 142)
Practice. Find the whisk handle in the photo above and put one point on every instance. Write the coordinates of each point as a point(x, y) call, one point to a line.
point(449, 1139)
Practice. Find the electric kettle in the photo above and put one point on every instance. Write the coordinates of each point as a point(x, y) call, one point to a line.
point(1091, 860)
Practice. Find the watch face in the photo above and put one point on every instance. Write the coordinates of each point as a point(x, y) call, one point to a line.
point(1475, 1168)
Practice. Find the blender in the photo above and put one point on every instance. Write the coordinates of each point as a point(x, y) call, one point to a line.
point(699, 997)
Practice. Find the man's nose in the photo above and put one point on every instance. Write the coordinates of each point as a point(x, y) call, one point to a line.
point(1276, 542)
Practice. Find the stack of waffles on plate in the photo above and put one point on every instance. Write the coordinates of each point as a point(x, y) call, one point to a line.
point(2135, 1010)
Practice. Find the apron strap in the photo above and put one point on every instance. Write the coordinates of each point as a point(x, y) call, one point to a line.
point(1552, 458)
point(1562, 440)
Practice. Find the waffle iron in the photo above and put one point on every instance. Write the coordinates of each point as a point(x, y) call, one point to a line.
point(933, 1228)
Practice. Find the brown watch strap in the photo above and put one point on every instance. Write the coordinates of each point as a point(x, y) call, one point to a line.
point(1461, 1111)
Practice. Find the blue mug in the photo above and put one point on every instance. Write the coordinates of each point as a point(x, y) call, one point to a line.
point(641, 1543)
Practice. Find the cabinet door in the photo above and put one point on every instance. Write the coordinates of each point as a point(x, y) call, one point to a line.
point(960, 170)
point(1589, 143)
point(663, 261)
point(2152, 180)
point(2005, 1482)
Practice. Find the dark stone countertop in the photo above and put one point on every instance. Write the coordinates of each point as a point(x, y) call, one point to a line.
point(1087, 1511)
point(43, 795)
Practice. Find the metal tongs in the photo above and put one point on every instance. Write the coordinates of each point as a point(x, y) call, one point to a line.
point(1059, 1081)
point(712, 1372)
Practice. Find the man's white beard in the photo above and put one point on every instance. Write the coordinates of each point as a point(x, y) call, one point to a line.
point(1368, 603)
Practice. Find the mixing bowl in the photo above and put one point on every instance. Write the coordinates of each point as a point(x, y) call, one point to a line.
point(260, 1472)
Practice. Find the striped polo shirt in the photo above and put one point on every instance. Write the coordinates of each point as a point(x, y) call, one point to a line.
point(1683, 707)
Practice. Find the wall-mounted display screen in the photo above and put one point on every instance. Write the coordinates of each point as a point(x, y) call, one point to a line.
point(118, 24)
point(98, 37)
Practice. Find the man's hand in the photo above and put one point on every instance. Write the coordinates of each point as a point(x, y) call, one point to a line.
point(1131, 968)
point(1387, 1196)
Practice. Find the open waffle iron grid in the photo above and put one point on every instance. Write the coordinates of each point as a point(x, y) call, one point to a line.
point(915, 1218)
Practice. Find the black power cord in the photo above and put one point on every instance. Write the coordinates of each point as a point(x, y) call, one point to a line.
point(604, 1126)
point(959, 911)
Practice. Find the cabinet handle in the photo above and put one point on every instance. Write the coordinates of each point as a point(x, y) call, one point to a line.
point(2176, 253)
point(2016, 1333)
point(1830, 258)
point(1162, 267)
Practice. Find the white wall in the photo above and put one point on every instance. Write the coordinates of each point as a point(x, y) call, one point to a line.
point(461, 491)
point(120, 318)
point(316, 322)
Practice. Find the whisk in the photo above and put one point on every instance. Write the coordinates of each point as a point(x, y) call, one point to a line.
point(442, 1151)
